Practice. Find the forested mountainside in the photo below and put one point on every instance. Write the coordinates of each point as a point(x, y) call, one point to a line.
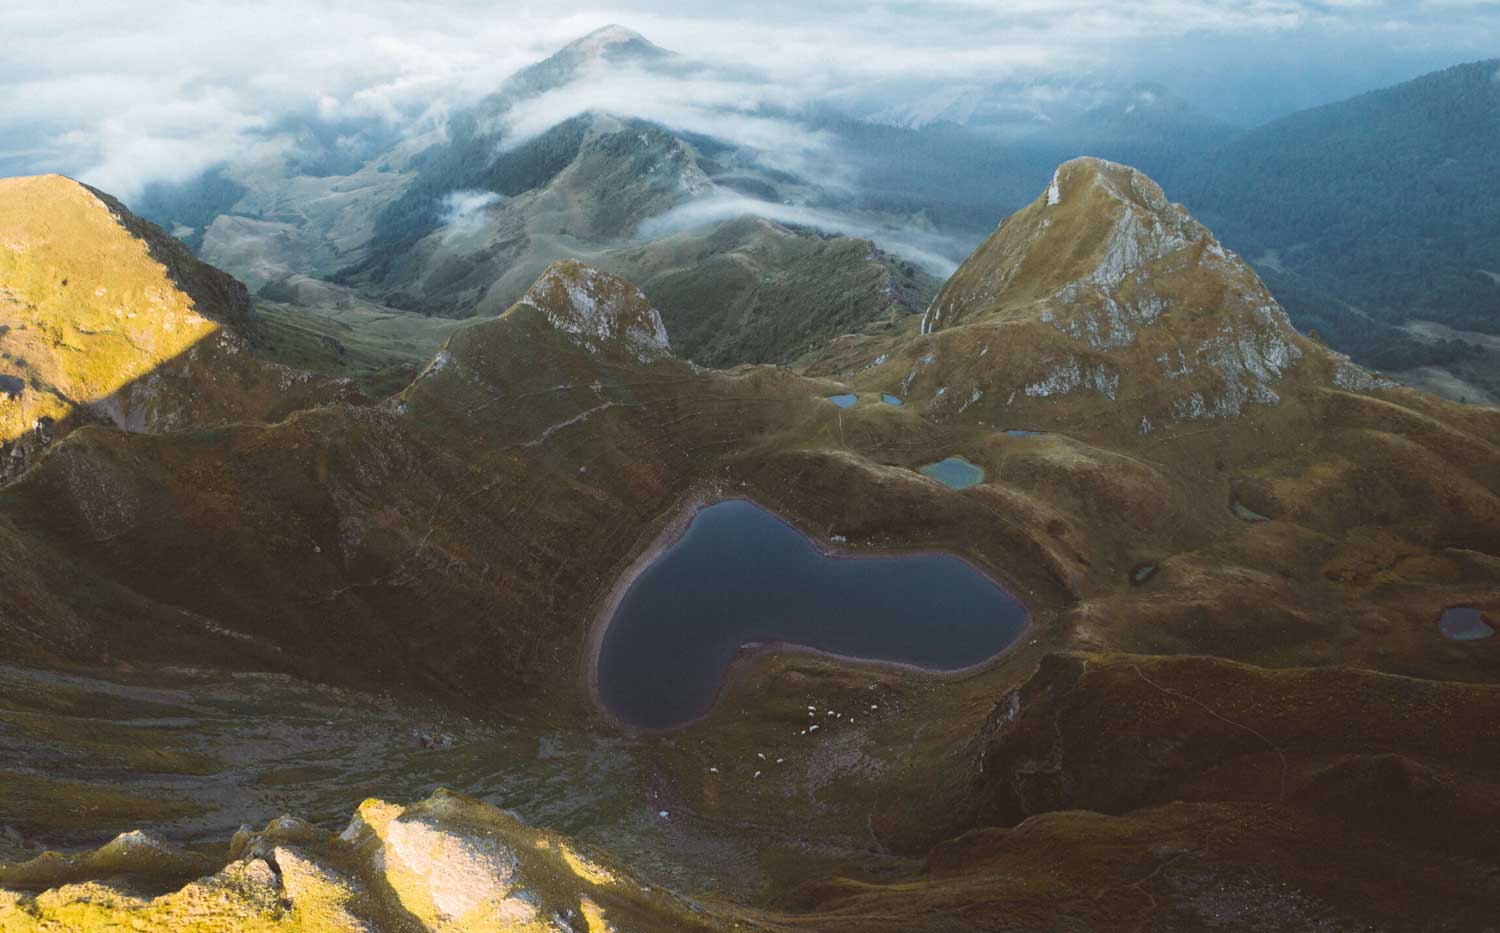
point(1370, 213)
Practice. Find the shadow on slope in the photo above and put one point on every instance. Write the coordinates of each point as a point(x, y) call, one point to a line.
point(109, 319)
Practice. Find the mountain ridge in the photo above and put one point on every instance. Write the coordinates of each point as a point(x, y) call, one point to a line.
point(1358, 296)
point(109, 318)
point(449, 546)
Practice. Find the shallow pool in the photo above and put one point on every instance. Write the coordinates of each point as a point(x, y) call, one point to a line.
point(843, 401)
point(890, 399)
point(740, 575)
point(955, 473)
point(1463, 624)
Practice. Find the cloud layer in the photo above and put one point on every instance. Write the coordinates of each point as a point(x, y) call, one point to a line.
point(932, 251)
point(125, 93)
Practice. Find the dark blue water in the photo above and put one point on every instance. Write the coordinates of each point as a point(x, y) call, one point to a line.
point(741, 575)
point(843, 401)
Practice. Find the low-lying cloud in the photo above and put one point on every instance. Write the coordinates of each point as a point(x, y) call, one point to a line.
point(736, 111)
point(125, 93)
point(934, 252)
point(463, 211)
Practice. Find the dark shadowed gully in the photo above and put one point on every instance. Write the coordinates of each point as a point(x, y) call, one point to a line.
point(742, 576)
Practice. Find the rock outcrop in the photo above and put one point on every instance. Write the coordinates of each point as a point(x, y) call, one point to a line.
point(447, 863)
point(599, 311)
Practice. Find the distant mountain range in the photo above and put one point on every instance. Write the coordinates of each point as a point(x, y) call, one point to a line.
point(1363, 216)
point(1370, 213)
point(1144, 124)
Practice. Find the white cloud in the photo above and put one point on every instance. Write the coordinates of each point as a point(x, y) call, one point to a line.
point(463, 211)
point(122, 91)
point(933, 252)
point(733, 110)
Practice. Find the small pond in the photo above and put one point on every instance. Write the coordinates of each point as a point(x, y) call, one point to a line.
point(741, 576)
point(844, 401)
point(1462, 624)
point(1022, 432)
point(890, 399)
point(955, 473)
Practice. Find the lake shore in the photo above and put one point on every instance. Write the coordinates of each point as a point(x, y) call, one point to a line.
point(670, 530)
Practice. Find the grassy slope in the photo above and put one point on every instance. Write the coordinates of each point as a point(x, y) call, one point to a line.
point(313, 325)
point(83, 322)
point(453, 544)
point(314, 225)
point(750, 291)
point(1112, 791)
point(108, 318)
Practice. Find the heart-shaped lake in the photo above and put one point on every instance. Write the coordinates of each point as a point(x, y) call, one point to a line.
point(740, 575)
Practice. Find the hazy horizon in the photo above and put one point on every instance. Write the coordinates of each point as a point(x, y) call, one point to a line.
point(120, 96)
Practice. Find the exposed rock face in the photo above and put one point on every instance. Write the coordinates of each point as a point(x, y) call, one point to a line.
point(134, 852)
point(108, 318)
point(439, 874)
point(599, 311)
point(447, 863)
point(1097, 224)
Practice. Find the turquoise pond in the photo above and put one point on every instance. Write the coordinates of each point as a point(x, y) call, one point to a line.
point(1463, 624)
point(740, 576)
point(844, 401)
point(890, 399)
point(955, 473)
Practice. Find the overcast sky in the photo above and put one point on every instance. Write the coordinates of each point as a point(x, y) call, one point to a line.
point(119, 92)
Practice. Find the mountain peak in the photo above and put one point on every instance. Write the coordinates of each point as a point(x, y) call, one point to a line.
point(613, 34)
point(596, 309)
point(1096, 223)
point(609, 45)
point(1105, 285)
point(1122, 182)
point(611, 42)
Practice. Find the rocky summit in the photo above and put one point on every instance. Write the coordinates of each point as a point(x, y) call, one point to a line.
point(285, 651)
point(1105, 295)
